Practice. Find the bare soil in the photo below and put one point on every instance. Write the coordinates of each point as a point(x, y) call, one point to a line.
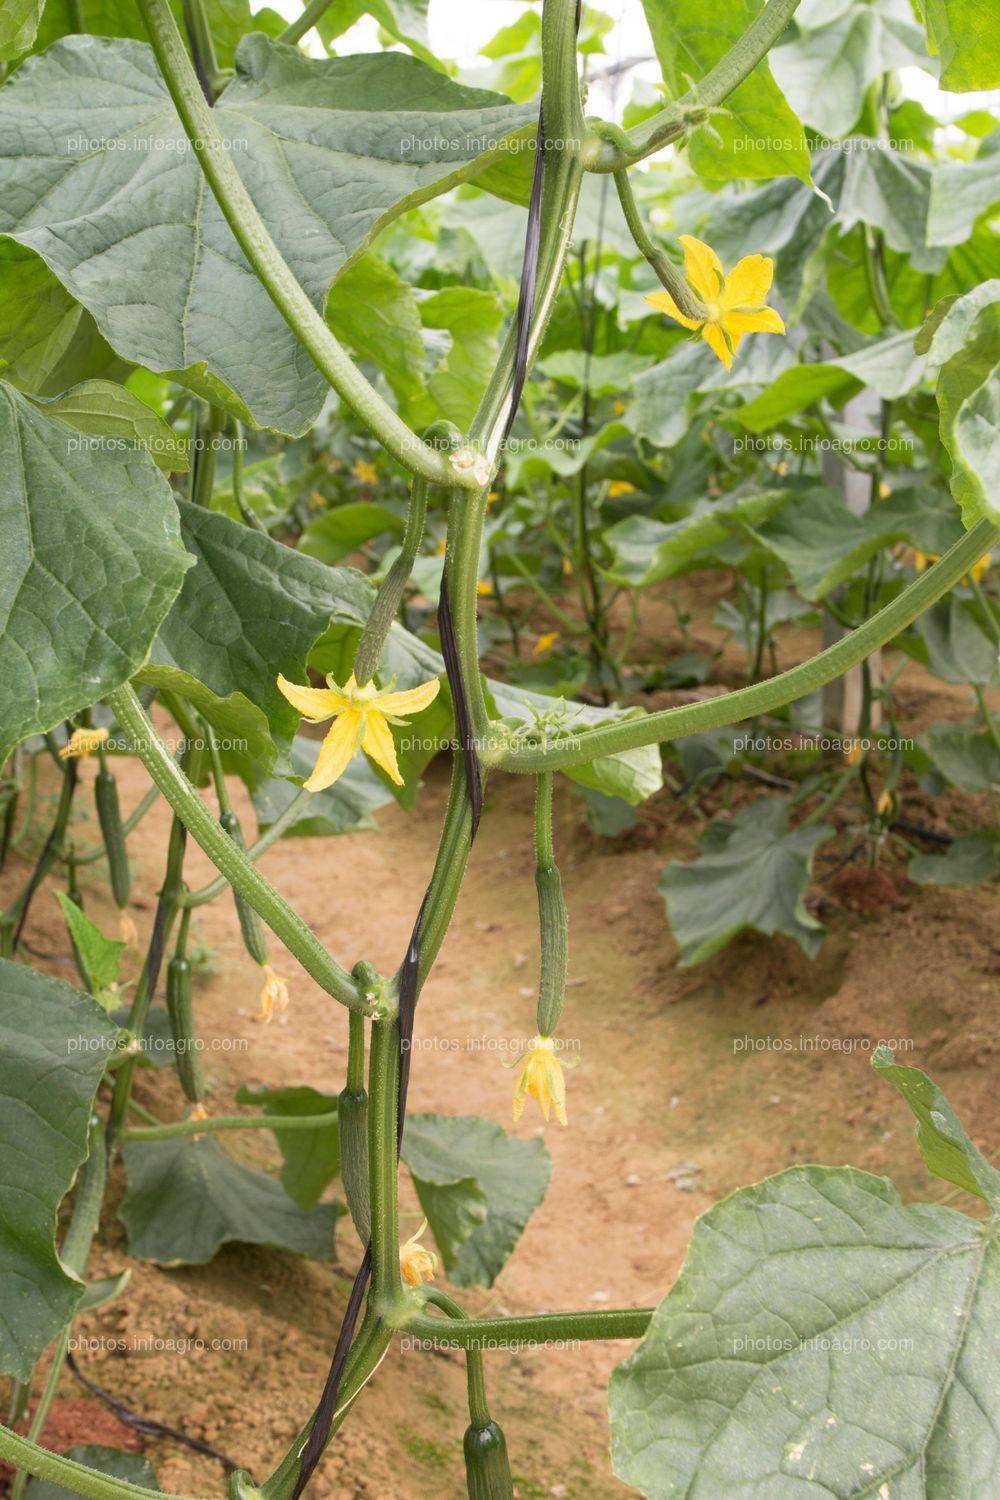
point(692, 1083)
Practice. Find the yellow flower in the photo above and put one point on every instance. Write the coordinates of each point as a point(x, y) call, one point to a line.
point(127, 931)
point(619, 487)
point(274, 995)
point(734, 303)
point(541, 1077)
point(316, 500)
point(923, 560)
point(484, 588)
point(620, 408)
point(854, 754)
point(416, 1263)
point(884, 804)
point(366, 472)
point(83, 742)
point(492, 497)
point(545, 642)
point(361, 718)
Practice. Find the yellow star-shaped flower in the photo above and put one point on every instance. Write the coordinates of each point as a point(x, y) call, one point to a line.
point(366, 472)
point(82, 743)
point(735, 303)
point(361, 718)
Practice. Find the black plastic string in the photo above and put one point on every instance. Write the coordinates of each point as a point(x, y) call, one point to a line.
point(529, 275)
point(460, 702)
point(146, 1425)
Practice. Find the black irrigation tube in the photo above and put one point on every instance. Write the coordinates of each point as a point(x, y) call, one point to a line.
point(146, 1425)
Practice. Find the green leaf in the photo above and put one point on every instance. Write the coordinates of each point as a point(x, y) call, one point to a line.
point(188, 1197)
point(373, 310)
point(101, 956)
point(969, 761)
point(469, 318)
point(339, 532)
point(956, 647)
point(477, 1186)
point(18, 25)
point(120, 212)
point(646, 551)
point(120, 420)
point(601, 374)
point(252, 608)
point(240, 726)
point(888, 366)
point(133, 1468)
point(968, 397)
point(102, 1290)
point(944, 1145)
point(228, 19)
point(761, 136)
point(753, 872)
point(311, 1158)
point(967, 861)
point(822, 543)
point(966, 36)
point(92, 559)
point(406, 20)
point(821, 1340)
point(826, 68)
point(54, 1044)
point(345, 807)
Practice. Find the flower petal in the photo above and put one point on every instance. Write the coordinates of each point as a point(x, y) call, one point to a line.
point(337, 751)
point(413, 701)
point(312, 703)
point(664, 303)
point(557, 1090)
point(748, 283)
point(764, 320)
point(703, 268)
point(716, 341)
point(376, 741)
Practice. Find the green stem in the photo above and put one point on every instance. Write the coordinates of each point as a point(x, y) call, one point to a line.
point(988, 719)
point(246, 510)
point(270, 266)
point(390, 593)
point(203, 44)
point(479, 1410)
point(296, 30)
point(22, 1453)
point(449, 869)
point(355, 1082)
point(776, 692)
point(669, 276)
point(610, 148)
point(540, 1328)
point(257, 848)
point(545, 855)
point(52, 847)
point(228, 857)
point(175, 1128)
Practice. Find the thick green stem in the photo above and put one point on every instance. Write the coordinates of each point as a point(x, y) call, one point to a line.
point(296, 30)
point(169, 1131)
point(541, 1328)
point(270, 266)
point(390, 594)
point(776, 692)
point(22, 1453)
point(228, 857)
point(257, 848)
point(610, 148)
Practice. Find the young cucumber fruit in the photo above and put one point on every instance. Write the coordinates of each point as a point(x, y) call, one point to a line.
point(110, 818)
point(180, 1008)
point(487, 1467)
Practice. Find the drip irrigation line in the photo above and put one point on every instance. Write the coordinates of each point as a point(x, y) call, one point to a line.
point(148, 1426)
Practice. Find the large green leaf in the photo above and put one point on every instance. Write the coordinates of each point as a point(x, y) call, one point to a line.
point(339, 532)
point(55, 1043)
point(373, 310)
point(345, 807)
point(888, 366)
point(101, 183)
point(469, 320)
point(229, 20)
point(966, 36)
point(478, 1188)
point(310, 1158)
point(645, 551)
point(92, 559)
point(822, 543)
point(969, 761)
point(752, 872)
point(240, 727)
point(967, 861)
point(187, 1197)
point(18, 25)
point(952, 643)
point(119, 420)
point(249, 609)
point(968, 397)
point(826, 68)
point(821, 1340)
point(760, 136)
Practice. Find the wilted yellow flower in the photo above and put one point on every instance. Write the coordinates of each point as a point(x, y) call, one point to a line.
point(545, 642)
point(366, 472)
point(853, 755)
point(127, 931)
point(416, 1263)
point(541, 1076)
point(619, 487)
point(734, 304)
point(884, 804)
point(274, 995)
point(83, 742)
point(361, 718)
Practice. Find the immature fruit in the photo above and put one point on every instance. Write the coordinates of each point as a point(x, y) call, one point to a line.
point(553, 925)
point(180, 1008)
point(110, 818)
point(487, 1468)
point(250, 923)
point(352, 1121)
